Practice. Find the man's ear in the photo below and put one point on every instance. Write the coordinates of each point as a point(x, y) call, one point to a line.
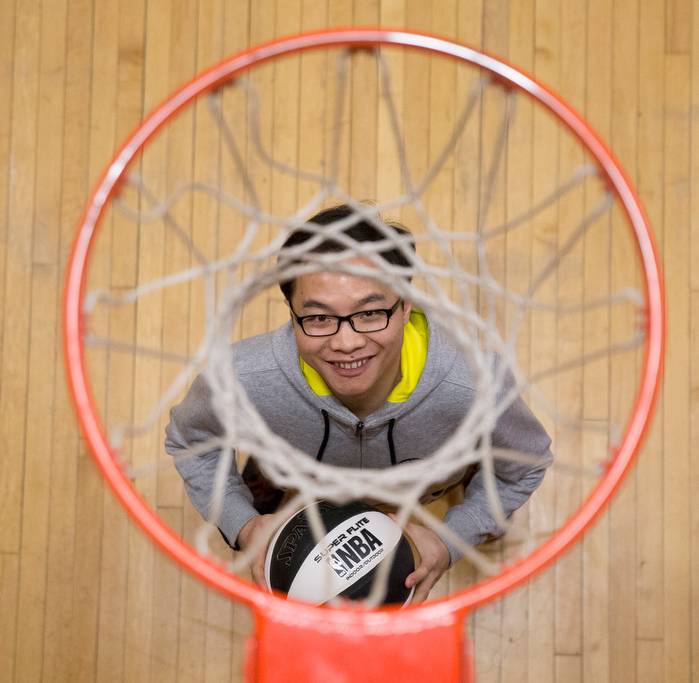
point(407, 309)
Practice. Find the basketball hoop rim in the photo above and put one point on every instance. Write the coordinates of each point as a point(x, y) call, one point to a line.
point(214, 572)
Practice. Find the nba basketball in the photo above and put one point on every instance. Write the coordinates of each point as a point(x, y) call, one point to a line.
point(345, 561)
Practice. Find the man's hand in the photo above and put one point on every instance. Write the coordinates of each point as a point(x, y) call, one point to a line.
point(434, 560)
point(254, 529)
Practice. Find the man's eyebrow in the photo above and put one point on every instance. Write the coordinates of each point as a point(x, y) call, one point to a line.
point(371, 298)
point(313, 303)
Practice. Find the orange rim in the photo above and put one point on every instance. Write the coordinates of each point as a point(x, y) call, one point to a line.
point(386, 619)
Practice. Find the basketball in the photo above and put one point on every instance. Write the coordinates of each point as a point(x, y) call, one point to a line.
point(344, 563)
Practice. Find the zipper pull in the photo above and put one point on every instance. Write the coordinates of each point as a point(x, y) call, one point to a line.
point(360, 426)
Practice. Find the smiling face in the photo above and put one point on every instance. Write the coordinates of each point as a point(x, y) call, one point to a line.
point(360, 369)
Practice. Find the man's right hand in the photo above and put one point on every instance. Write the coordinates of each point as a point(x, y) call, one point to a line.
point(255, 528)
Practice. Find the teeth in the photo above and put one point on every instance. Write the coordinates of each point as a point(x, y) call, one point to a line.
point(353, 365)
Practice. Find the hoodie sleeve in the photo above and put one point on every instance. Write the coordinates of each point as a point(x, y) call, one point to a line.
point(194, 422)
point(517, 429)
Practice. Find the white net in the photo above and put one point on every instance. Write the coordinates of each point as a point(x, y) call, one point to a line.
point(523, 258)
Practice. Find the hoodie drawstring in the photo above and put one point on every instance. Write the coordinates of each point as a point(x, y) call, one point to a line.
point(391, 446)
point(326, 435)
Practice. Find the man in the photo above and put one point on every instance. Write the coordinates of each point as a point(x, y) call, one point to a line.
point(359, 378)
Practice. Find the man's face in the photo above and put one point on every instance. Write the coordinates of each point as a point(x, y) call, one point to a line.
point(360, 369)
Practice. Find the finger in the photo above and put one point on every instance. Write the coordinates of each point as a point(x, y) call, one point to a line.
point(422, 590)
point(417, 576)
point(258, 574)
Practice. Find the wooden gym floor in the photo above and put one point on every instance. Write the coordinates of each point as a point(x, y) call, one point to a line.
point(83, 596)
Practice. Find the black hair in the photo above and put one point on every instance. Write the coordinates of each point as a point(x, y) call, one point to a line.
point(361, 231)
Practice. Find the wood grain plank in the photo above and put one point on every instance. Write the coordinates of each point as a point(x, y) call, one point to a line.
point(126, 269)
point(150, 637)
point(389, 180)
point(568, 669)
point(29, 481)
point(42, 352)
point(415, 104)
point(165, 651)
point(313, 110)
point(192, 613)
point(467, 180)
point(694, 483)
point(544, 243)
point(676, 446)
point(60, 610)
point(286, 136)
point(595, 445)
point(210, 229)
point(649, 467)
point(7, 58)
point(87, 626)
point(491, 262)
point(363, 111)
point(623, 366)
point(37, 474)
point(262, 21)
point(694, 160)
point(183, 304)
point(129, 111)
point(220, 665)
point(112, 575)
point(339, 14)
point(237, 36)
point(208, 221)
point(139, 662)
point(168, 306)
point(99, 585)
point(151, 264)
point(97, 623)
point(570, 348)
point(9, 588)
point(443, 108)
point(18, 247)
point(516, 637)
point(443, 113)
point(650, 661)
point(49, 131)
point(694, 342)
point(678, 26)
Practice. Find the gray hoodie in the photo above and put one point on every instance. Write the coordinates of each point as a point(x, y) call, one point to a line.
point(268, 368)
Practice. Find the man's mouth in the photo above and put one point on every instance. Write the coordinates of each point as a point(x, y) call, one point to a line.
point(351, 365)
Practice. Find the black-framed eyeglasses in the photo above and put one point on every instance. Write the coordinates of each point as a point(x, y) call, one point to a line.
point(322, 325)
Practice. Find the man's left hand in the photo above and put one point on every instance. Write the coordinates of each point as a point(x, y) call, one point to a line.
point(434, 560)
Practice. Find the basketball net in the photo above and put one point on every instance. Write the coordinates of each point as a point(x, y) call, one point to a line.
point(532, 256)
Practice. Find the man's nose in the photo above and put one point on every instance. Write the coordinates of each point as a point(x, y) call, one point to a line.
point(346, 339)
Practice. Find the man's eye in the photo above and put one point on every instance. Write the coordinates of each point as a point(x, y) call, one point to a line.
point(370, 315)
point(318, 320)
